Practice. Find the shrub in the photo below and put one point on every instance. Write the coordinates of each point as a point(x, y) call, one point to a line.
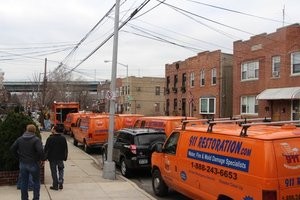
point(12, 127)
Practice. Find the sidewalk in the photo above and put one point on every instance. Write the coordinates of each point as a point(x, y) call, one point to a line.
point(83, 180)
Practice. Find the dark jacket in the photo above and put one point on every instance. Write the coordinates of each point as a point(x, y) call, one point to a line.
point(28, 148)
point(56, 147)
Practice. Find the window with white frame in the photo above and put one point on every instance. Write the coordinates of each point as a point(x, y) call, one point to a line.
point(295, 60)
point(192, 79)
point(207, 105)
point(202, 78)
point(157, 90)
point(249, 105)
point(249, 70)
point(275, 66)
point(213, 76)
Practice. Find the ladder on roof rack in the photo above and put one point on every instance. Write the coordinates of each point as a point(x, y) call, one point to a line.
point(247, 125)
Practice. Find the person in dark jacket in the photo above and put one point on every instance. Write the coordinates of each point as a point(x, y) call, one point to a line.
point(56, 149)
point(29, 150)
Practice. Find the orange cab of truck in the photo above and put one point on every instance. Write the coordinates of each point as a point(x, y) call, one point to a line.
point(165, 123)
point(230, 161)
point(92, 131)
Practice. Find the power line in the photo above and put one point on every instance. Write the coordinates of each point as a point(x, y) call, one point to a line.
point(110, 36)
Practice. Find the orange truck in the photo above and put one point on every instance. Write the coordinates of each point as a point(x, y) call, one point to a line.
point(59, 111)
point(224, 160)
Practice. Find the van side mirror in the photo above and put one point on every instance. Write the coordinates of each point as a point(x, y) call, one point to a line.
point(158, 147)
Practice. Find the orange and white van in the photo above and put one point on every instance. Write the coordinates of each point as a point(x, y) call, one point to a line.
point(128, 120)
point(71, 120)
point(92, 131)
point(221, 161)
point(164, 123)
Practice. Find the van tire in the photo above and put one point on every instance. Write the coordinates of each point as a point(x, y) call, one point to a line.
point(158, 184)
point(104, 156)
point(86, 148)
point(124, 168)
point(223, 197)
point(75, 142)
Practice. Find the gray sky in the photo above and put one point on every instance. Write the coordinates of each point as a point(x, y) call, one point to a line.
point(161, 33)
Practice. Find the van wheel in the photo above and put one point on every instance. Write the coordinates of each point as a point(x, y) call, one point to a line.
point(124, 168)
point(158, 185)
point(104, 156)
point(75, 142)
point(86, 148)
point(223, 197)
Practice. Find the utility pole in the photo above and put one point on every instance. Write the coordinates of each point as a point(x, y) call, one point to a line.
point(109, 168)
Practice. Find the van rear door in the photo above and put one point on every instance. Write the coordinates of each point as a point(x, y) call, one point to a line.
point(288, 164)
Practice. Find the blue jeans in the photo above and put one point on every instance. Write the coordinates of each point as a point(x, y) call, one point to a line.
point(30, 183)
point(57, 172)
point(32, 169)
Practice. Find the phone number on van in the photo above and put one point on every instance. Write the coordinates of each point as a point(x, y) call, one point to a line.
point(214, 170)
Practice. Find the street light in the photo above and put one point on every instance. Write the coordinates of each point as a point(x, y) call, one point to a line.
point(127, 81)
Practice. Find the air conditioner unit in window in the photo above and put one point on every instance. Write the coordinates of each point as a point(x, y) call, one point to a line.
point(276, 74)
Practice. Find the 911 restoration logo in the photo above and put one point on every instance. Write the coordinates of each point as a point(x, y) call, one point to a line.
point(292, 156)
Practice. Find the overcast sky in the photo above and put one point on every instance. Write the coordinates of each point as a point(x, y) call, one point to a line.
point(159, 34)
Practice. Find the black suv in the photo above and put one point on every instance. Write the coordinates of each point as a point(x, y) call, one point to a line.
point(133, 147)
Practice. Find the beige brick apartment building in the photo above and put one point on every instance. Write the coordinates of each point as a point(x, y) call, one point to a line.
point(266, 75)
point(200, 86)
point(144, 95)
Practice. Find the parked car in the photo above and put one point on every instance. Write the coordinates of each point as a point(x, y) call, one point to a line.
point(133, 147)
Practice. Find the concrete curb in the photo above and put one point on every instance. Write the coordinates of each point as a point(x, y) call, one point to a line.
point(123, 178)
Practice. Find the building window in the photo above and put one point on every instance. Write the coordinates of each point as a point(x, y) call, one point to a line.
point(249, 105)
point(192, 79)
point(202, 78)
point(250, 70)
point(214, 76)
point(275, 66)
point(156, 107)
point(207, 105)
point(157, 90)
point(295, 60)
point(175, 80)
point(183, 79)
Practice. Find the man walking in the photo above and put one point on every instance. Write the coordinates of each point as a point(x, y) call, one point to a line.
point(56, 149)
point(29, 150)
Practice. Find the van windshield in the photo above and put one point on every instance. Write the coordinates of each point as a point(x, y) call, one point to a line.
point(147, 139)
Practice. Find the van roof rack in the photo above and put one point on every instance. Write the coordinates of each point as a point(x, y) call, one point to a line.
point(245, 126)
point(185, 122)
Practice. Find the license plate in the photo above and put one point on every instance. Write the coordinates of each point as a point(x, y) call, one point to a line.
point(143, 161)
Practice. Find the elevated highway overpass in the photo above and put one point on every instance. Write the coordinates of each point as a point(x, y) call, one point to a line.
point(23, 86)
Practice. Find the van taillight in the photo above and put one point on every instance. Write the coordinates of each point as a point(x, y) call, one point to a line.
point(133, 148)
point(269, 195)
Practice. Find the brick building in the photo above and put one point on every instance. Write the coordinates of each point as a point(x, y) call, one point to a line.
point(144, 95)
point(200, 86)
point(266, 75)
